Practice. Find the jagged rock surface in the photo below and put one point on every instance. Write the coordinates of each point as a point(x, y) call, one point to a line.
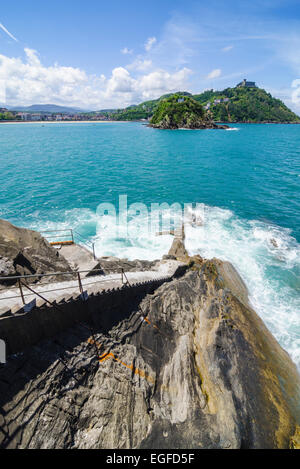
point(26, 252)
point(202, 371)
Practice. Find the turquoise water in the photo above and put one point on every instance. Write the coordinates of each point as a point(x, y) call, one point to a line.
point(55, 175)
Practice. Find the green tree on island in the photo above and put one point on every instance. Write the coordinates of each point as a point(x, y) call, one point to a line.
point(236, 104)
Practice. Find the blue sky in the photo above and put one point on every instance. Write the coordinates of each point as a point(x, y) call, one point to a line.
point(96, 54)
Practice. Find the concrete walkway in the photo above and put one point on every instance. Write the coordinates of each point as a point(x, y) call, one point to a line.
point(11, 301)
point(79, 257)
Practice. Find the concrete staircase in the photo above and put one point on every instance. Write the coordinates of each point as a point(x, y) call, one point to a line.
point(11, 302)
point(79, 257)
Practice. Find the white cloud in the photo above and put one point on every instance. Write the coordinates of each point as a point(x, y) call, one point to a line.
point(7, 32)
point(28, 81)
point(296, 94)
point(296, 83)
point(150, 43)
point(289, 95)
point(159, 82)
point(227, 48)
point(214, 74)
point(289, 51)
point(178, 45)
point(127, 51)
point(140, 64)
point(120, 82)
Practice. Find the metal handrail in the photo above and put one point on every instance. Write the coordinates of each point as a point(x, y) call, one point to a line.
point(81, 285)
point(55, 231)
point(59, 309)
point(67, 231)
point(69, 287)
point(21, 284)
point(72, 272)
point(89, 243)
point(72, 233)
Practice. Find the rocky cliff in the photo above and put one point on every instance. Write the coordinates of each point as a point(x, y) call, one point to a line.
point(26, 252)
point(192, 366)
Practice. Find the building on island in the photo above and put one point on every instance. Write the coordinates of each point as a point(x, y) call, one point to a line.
point(246, 84)
point(216, 101)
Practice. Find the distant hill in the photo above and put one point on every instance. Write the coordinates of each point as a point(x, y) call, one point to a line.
point(139, 111)
point(242, 104)
point(46, 108)
point(239, 104)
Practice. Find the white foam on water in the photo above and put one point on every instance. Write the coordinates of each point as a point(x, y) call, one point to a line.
point(266, 256)
point(139, 241)
point(232, 128)
point(271, 273)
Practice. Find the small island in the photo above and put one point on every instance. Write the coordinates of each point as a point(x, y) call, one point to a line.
point(182, 112)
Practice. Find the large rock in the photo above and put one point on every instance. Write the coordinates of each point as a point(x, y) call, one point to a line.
point(26, 252)
point(201, 371)
point(178, 250)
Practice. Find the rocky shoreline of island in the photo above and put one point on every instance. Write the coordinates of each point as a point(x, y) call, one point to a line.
point(196, 126)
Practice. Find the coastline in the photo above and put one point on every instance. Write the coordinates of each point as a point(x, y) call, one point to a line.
point(62, 122)
point(128, 121)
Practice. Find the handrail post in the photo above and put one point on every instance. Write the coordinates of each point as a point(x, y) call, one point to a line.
point(80, 284)
point(21, 291)
point(72, 234)
point(94, 251)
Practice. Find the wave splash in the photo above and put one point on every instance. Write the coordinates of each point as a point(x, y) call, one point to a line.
point(266, 256)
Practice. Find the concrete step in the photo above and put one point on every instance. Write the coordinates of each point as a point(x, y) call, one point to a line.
point(69, 290)
point(79, 257)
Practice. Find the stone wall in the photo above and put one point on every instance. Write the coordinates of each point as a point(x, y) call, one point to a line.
point(103, 311)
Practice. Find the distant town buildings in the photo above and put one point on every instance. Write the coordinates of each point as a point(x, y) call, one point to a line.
point(35, 117)
point(24, 116)
point(43, 116)
point(246, 84)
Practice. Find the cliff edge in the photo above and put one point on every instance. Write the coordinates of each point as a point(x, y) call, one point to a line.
point(190, 366)
point(26, 252)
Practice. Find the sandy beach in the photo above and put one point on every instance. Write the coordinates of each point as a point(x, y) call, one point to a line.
point(63, 122)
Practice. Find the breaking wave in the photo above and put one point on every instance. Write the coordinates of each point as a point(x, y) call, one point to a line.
point(266, 256)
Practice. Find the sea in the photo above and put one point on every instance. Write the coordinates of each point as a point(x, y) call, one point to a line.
point(245, 182)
